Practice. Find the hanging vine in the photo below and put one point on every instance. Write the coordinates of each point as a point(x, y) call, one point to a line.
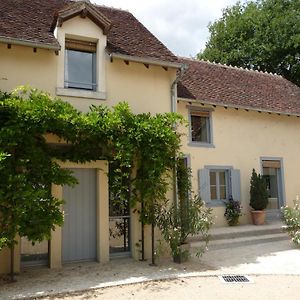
point(144, 143)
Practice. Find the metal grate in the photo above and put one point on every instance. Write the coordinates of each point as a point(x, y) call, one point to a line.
point(235, 279)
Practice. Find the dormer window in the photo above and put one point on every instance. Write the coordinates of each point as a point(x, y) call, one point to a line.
point(80, 65)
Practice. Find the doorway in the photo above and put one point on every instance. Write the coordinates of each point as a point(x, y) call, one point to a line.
point(119, 218)
point(79, 238)
point(33, 255)
point(272, 173)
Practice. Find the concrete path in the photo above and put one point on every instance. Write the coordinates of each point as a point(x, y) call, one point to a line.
point(277, 258)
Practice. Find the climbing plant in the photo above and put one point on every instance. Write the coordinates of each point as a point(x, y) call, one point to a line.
point(28, 164)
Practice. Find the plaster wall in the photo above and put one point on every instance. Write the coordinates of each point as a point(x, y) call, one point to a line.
point(22, 66)
point(240, 140)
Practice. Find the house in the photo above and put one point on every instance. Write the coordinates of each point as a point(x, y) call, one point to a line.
point(43, 43)
point(238, 119)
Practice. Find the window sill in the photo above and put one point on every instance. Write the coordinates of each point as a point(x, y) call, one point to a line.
point(216, 203)
point(198, 144)
point(78, 93)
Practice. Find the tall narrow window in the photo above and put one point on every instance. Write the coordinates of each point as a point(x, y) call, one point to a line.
point(200, 126)
point(80, 65)
point(219, 184)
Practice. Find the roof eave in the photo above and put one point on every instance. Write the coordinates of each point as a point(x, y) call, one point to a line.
point(27, 43)
point(237, 106)
point(146, 60)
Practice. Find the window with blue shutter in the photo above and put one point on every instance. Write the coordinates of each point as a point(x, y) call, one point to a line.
point(217, 184)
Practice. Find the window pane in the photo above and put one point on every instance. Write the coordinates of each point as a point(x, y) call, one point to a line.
point(213, 192)
point(213, 178)
point(222, 178)
point(80, 70)
point(223, 193)
point(200, 129)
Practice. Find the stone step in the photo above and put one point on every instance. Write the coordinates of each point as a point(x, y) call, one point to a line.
point(241, 241)
point(242, 231)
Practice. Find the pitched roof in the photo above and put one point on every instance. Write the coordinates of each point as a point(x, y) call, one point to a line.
point(83, 9)
point(31, 20)
point(230, 86)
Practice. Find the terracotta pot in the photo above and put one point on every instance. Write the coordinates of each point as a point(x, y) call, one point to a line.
point(258, 217)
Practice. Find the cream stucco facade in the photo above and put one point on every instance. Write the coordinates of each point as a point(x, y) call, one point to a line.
point(242, 139)
point(146, 87)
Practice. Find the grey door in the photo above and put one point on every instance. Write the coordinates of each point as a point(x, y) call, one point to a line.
point(79, 229)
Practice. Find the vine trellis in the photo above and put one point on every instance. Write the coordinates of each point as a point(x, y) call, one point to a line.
point(142, 147)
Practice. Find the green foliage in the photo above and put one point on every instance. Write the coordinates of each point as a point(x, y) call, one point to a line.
point(291, 217)
point(188, 217)
point(258, 192)
point(199, 220)
point(27, 169)
point(28, 165)
point(232, 212)
point(184, 186)
point(262, 35)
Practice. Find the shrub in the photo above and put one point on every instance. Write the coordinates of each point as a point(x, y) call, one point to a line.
point(198, 220)
point(258, 192)
point(291, 217)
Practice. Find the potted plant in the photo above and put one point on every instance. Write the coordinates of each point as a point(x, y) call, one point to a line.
point(258, 198)
point(232, 211)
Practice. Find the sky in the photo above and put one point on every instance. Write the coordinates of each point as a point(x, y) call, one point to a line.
point(180, 24)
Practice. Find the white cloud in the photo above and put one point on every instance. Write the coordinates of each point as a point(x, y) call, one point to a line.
point(181, 25)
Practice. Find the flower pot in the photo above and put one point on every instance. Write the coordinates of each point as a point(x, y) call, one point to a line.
point(183, 255)
point(233, 222)
point(258, 217)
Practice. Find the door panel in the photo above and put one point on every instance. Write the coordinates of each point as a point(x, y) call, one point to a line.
point(79, 230)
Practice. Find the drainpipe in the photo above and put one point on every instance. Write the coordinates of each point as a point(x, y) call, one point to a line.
point(174, 110)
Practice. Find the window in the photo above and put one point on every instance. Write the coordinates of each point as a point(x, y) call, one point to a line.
point(200, 126)
point(219, 185)
point(80, 65)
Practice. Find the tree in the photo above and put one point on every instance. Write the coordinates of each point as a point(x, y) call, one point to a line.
point(261, 35)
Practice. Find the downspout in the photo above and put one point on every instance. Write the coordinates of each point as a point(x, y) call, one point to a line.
point(174, 110)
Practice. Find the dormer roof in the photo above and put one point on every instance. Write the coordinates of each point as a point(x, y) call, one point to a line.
point(84, 9)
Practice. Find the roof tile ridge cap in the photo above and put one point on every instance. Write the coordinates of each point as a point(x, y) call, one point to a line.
point(112, 7)
point(231, 67)
point(193, 59)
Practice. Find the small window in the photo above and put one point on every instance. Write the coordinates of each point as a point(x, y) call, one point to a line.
point(200, 127)
point(219, 184)
point(80, 65)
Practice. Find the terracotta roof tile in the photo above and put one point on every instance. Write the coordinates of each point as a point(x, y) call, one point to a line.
point(28, 20)
point(226, 85)
point(31, 20)
point(129, 36)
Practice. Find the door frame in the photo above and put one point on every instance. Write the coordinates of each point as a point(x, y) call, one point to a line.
point(280, 179)
point(93, 215)
point(102, 230)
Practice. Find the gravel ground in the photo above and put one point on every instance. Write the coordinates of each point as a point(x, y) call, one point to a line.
point(263, 287)
point(276, 258)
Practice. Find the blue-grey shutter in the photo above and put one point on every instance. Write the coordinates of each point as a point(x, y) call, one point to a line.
point(204, 186)
point(236, 184)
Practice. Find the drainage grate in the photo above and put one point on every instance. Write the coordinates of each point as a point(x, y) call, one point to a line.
point(235, 279)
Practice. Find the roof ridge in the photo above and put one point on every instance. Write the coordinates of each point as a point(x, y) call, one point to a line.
point(112, 7)
point(230, 66)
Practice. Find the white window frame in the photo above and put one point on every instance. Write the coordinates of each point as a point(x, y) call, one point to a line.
point(94, 72)
point(209, 143)
point(218, 186)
